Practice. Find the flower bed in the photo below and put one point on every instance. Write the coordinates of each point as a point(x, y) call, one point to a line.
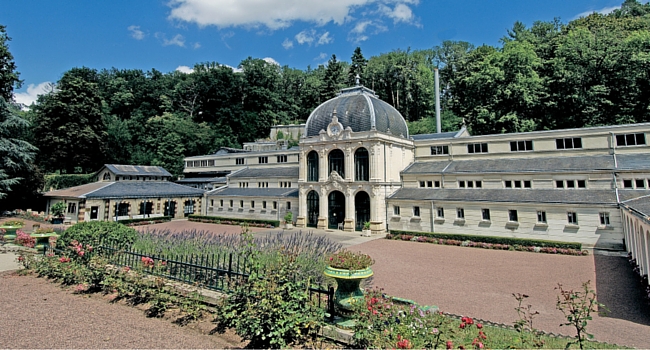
point(231, 221)
point(487, 245)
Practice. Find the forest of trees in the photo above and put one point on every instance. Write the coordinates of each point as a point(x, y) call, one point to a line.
point(590, 71)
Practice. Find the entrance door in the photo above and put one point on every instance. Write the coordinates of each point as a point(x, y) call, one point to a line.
point(336, 210)
point(362, 209)
point(93, 213)
point(312, 208)
point(170, 208)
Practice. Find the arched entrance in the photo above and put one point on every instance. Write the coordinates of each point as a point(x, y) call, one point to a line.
point(336, 209)
point(312, 209)
point(361, 210)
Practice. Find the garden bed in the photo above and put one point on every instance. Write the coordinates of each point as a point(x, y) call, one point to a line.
point(490, 242)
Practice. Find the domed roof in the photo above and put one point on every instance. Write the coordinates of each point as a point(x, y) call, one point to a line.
point(361, 110)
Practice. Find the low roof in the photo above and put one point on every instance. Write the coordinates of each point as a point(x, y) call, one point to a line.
point(607, 197)
point(267, 172)
point(256, 192)
point(202, 180)
point(440, 135)
point(147, 170)
point(128, 189)
point(641, 205)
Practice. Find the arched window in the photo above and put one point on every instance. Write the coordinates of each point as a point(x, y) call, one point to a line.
point(107, 176)
point(312, 166)
point(337, 162)
point(361, 171)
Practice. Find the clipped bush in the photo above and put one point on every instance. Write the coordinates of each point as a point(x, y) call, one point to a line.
point(145, 221)
point(234, 221)
point(95, 233)
point(488, 239)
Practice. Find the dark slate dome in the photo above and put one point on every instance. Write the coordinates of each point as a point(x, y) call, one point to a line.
point(360, 109)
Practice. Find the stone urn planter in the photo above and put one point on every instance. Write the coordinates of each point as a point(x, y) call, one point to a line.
point(43, 239)
point(347, 290)
point(10, 228)
point(348, 269)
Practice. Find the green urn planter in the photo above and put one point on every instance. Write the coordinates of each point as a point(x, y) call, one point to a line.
point(43, 239)
point(347, 290)
point(10, 232)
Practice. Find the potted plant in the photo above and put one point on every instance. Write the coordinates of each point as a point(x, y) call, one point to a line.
point(348, 269)
point(10, 228)
point(366, 229)
point(57, 213)
point(288, 220)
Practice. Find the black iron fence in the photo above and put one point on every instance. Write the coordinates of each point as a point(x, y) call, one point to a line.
point(213, 272)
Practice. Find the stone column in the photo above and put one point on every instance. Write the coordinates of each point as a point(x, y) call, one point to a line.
point(302, 206)
point(322, 166)
point(322, 209)
point(349, 164)
point(302, 173)
point(348, 222)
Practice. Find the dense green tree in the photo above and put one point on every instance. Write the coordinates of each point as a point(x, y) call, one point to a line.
point(9, 77)
point(334, 79)
point(357, 67)
point(69, 124)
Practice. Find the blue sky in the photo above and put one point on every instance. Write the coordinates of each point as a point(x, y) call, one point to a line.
point(50, 37)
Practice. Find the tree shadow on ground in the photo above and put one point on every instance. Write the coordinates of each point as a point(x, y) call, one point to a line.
point(618, 288)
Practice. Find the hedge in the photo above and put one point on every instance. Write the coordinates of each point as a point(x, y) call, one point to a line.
point(58, 182)
point(145, 221)
point(98, 232)
point(493, 239)
point(234, 221)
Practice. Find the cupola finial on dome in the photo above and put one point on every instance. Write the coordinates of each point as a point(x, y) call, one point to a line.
point(356, 80)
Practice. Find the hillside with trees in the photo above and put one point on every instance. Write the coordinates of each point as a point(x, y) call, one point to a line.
point(590, 71)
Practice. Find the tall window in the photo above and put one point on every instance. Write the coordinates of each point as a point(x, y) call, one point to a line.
point(312, 166)
point(123, 209)
point(572, 217)
point(337, 162)
point(395, 209)
point(512, 216)
point(361, 171)
point(416, 211)
point(146, 208)
point(460, 213)
point(541, 217)
point(604, 218)
point(441, 212)
point(72, 208)
point(486, 214)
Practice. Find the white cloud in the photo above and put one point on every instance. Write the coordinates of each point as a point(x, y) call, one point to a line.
point(324, 39)
point(603, 11)
point(136, 33)
point(274, 14)
point(184, 69)
point(305, 37)
point(196, 45)
point(177, 40)
point(321, 57)
point(360, 31)
point(271, 61)
point(287, 44)
point(30, 96)
point(401, 13)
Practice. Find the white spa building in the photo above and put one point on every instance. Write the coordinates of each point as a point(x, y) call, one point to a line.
point(356, 162)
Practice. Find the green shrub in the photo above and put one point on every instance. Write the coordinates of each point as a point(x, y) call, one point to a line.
point(145, 221)
point(57, 182)
point(493, 239)
point(96, 232)
point(234, 221)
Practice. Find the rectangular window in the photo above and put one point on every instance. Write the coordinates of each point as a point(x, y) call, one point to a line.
point(231, 203)
point(212, 202)
point(461, 184)
point(288, 205)
point(517, 183)
point(604, 219)
point(395, 210)
point(263, 160)
point(570, 184)
point(421, 183)
point(512, 216)
point(241, 204)
point(282, 159)
point(559, 183)
point(470, 184)
point(239, 161)
point(252, 204)
point(439, 150)
point(521, 146)
point(263, 204)
point(429, 183)
point(477, 148)
point(541, 217)
point(486, 214)
point(441, 212)
point(460, 213)
point(527, 184)
point(507, 184)
point(437, 183)
point(72, 208)
point(416, 211)
point(582, 184)
point(568, 143)
point(275, 205)
point(572, 217)
point(640, 183)
point(221, 202)
point(630, 139)
point(627, 183)
point(479, 184)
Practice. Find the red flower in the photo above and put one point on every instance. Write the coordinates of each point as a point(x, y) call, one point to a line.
point(450, 344)
point(462, 325)
point(479, 325)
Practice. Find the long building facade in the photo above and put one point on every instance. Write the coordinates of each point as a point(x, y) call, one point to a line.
point(356, 163)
